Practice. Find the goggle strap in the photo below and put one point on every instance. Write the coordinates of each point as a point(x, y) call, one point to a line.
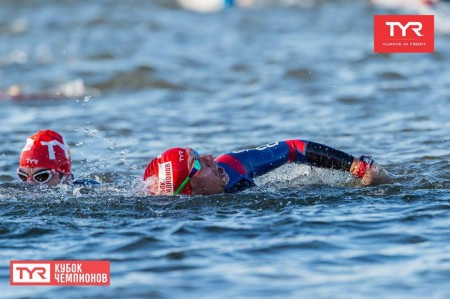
point(179, 189)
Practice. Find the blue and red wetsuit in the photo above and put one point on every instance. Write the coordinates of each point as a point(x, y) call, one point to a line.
point(244, 165)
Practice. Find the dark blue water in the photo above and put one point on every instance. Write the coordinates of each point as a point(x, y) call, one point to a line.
point(142, 76)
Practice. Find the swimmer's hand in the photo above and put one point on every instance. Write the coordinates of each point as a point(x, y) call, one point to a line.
point(369, 171)
point(375, 175)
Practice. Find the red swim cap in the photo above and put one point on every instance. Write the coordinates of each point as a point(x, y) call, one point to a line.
point(46, 149)
point(168, 171)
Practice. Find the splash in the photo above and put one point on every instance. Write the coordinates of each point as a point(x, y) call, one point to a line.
point(106, 160)
point(294, 176)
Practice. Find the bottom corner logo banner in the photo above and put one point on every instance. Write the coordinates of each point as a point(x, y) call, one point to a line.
point(59, 273)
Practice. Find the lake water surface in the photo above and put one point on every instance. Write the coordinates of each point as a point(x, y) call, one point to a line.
point(143, 76)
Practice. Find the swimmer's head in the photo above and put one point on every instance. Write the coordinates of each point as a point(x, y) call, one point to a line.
point(46, 150)
point(184, 171)
point(167, 172)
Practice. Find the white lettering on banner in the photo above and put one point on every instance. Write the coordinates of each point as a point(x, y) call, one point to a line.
point(68, 268)
point(31, 273)
point(81, 277)
point(51, 151)
point(416, 30)
point(165, 176)
point(259, 148)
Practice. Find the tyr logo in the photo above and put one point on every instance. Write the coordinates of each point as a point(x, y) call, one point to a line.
point(32, 161)
point(417, 27)
point(29, 273)
point(403, 34)
point(39, 271)
point(181, 154)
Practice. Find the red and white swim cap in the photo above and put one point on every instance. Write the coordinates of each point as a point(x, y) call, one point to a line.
point(47, 149)
point(168, 171)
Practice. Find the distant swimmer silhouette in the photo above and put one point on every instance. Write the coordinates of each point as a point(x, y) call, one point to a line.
point(407, 3)
point(183, 171)
point(71, 89)
point(16, 94)
point(206, 6)
point(413, 4)
point(45, 159)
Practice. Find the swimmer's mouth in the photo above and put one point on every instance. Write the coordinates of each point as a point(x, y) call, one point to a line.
point(223, 175)
point(221, 171)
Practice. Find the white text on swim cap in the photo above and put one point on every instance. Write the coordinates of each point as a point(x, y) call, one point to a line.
point(32, 161)
point(29, 144)
point(51, 151)
point(181, 153)
point(165, 176)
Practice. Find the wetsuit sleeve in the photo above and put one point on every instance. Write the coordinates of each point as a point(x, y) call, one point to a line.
point(242, 166)
point(320, 155)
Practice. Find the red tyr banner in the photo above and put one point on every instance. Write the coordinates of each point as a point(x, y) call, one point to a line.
point(59, 273)
point(403, 33)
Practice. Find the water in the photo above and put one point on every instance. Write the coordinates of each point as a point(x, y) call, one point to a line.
point(143, 76)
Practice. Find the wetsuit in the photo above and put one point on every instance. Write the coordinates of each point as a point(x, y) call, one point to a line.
point(244, 165)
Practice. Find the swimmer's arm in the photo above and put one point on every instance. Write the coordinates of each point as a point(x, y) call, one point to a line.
point(265, 158)
point(363, 167)
point(323, 156)
point(255, 162)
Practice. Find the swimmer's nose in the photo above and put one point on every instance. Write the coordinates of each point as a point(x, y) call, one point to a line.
point(209, 160)
point(30, 181)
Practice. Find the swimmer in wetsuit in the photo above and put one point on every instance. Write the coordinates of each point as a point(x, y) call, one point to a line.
point(184, 171)
point(45, 159)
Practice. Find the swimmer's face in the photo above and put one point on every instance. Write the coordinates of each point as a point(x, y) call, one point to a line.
point(211, 179)
point(38, 175)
